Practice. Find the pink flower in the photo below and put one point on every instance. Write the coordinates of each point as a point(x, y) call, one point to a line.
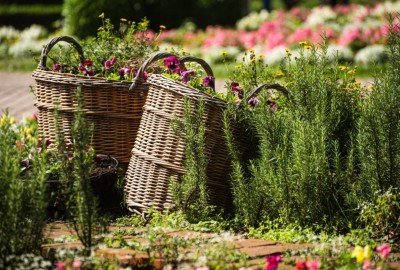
point(61, 265)
point(349, 35)
point(301, 265)
point(384, 250)
point(77, 264)
point(367, 265)
point(186, 75)
point(313, 265)
point(273, 261)
point(113, 60)
point(209, 81)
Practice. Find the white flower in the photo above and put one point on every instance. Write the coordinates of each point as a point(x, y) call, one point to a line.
point(8, 33)
point(320, 15)
point(34, 32)
point(386, 7)
point(253, 20)
point(24, 47)
point(218, 54)
point(275, 56)
point(371, 54)
point(343, 53)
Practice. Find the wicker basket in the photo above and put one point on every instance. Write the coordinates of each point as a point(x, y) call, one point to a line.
point(114, 111)
point(158, 153)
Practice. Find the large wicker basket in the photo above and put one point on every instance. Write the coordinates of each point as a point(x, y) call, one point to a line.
point(114, 111)
point(158, 153)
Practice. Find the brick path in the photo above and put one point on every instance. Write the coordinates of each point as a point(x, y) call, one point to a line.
point(15, 95)
point(256, 249)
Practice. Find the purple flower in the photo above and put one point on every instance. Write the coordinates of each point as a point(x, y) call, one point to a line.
point(172, 63)
point(121, 72)
point(253, 101)
point(236, 89)
point(209, 81)
point(56, 67)
point(109, 63)
point(186, 75)
point(82, 68)
point(85, 71)
point(87, 63)
point(273, 107)
point(90, 72)
point(145, 75)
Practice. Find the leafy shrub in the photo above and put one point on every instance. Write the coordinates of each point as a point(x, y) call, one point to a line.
point(382, 217)
point(379, 128)
point(305, 161)
point(23, 203)
point(190, 195)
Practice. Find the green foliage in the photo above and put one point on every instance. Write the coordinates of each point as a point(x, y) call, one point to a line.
point(124, 48)
point(37, 9)
point(82, 205)
point(379, 128)
point(382, 217)
point(80, 15)
point(23, 196)
point(190, 194)
point(305, 163)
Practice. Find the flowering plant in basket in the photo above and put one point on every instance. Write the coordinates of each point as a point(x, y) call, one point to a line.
point(191, 75)
point(112, 54)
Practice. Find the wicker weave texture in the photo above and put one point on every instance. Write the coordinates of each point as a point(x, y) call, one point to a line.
point(113, 110)
point(158, 152)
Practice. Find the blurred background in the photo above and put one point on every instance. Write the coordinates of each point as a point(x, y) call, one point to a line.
point(203, 27)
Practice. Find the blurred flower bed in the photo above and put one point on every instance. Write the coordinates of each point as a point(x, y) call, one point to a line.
point(357, 33)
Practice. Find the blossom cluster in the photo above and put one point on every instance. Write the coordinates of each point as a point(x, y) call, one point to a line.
point(175, 67)
point(346, 29)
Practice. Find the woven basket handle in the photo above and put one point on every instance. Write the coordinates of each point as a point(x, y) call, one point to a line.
point(46, 49)
point(256, 90)
point(161, 55)
point(202, 63)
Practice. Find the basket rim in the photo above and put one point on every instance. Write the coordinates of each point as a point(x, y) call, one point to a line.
point(40, 75)
point(210, 98)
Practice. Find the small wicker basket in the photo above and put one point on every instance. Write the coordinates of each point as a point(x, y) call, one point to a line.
point(158, 153)
point(114, 111)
